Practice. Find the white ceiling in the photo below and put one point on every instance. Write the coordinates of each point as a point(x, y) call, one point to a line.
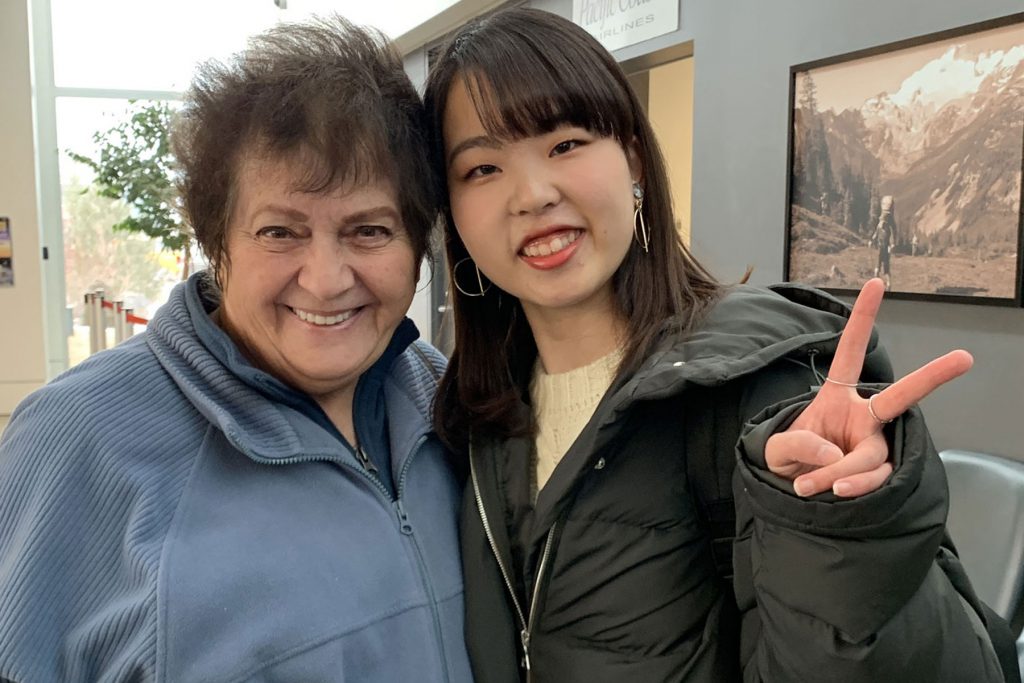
point(394, 17)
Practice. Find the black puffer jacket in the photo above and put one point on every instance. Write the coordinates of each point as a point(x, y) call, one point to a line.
point(613, 572)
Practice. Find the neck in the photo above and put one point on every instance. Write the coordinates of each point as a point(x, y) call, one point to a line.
point(337, 405)
point(338, 408)
point(571, 338)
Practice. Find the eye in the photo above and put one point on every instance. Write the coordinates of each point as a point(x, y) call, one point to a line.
point(482, 170)
point(274, 233)
point(372, 233)
point(566, 146)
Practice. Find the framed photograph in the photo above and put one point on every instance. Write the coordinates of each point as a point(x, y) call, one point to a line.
point(905, 163)
point(6, 254)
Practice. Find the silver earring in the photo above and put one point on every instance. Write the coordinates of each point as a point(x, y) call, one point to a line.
point(639, 226)
point(479, 279)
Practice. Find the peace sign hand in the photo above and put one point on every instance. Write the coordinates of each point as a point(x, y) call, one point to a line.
point(837, 442)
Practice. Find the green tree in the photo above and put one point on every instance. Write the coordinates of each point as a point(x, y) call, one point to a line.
point(135, 164)
point(121, 262)
point(812, 168)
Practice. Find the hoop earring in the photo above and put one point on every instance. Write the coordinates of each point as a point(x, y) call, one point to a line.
point(479, 279)
point(640, 233)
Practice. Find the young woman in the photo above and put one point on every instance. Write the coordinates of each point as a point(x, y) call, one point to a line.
point(604, 389)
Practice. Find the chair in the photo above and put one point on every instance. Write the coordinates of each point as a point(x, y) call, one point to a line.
point(986, 521)
point(1020, 653)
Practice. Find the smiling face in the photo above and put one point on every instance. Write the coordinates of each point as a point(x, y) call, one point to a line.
point(317, 282)
point(548, 218)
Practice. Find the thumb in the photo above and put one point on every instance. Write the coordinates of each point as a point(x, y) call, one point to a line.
point(799, 446)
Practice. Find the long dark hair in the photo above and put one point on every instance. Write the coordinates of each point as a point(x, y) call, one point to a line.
point(528, 72)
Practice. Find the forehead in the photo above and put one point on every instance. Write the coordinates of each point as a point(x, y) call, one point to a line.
point(268, 179)
point(461, 117)
point(311, 170)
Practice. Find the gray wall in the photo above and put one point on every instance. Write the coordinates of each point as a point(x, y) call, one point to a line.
point(743, 50)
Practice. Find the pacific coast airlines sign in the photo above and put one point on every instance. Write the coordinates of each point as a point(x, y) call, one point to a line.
point(620, 23)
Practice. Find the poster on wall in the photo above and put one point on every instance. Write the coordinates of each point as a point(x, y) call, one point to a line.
point(6, 254)
point(621, 23)
point(905, 163)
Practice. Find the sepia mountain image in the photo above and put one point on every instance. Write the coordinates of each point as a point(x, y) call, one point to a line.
point(936, 151)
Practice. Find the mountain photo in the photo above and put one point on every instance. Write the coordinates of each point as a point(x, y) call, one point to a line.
point(906, 165)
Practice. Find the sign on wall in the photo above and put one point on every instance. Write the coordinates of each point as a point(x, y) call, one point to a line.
point(6, 254)
point(620, 23)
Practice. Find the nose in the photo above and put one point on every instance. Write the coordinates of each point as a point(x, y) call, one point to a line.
point(533, 192)
point(327, 270)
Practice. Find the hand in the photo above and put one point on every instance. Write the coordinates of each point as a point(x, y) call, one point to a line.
point(836, 443)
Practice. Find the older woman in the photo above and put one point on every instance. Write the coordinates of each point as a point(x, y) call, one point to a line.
point(251, 490)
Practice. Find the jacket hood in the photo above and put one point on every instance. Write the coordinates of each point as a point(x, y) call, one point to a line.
point(747, 330)
point(251, 407)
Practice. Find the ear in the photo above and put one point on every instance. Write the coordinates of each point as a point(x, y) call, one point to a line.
point(636, 166)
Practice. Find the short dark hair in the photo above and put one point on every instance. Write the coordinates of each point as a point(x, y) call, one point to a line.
point(529, 71)
point(332, 94)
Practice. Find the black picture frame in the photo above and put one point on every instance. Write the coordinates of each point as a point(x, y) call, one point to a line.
point(6, 253)
point(923, 177)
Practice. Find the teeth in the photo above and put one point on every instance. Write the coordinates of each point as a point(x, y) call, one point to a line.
point(323, 319)
point(554, 246)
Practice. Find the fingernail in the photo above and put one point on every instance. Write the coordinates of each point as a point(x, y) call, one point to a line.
point(841, 488)
point(802, 488)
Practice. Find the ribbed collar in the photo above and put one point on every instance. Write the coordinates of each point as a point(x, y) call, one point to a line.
point(212, 371)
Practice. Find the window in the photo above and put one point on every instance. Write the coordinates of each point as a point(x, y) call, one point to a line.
point(105, 53)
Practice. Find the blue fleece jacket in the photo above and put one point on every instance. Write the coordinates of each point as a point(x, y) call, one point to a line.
point(165, 517)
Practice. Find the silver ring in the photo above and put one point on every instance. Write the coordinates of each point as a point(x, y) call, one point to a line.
point(852, 385)
point(871, 411)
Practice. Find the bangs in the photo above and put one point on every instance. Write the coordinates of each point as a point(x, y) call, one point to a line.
point(528, 92)
point(341, 149)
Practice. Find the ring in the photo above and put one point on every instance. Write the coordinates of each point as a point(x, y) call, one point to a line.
point(871, 411)
point(852, 385)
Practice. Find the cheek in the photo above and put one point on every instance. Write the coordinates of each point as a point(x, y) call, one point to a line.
point(612, 208)
point(470, 213)
point(395, 280)
point(480, 237)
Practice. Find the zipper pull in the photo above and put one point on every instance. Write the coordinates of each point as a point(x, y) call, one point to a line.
point(366, 462)
point(403, 519)
point(524, 636)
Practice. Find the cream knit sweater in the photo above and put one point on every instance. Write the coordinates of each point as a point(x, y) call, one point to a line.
point(562, 405)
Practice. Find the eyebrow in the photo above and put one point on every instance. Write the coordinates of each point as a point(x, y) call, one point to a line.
point(488, 141)
point(369, 214)
point(373, 213)
point(287, 211)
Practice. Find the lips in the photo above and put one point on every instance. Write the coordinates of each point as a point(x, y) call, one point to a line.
point(552, 248)
point(551, 243)
point(322, 320)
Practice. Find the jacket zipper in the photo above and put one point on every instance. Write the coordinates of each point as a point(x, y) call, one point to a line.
point(525, 634)
point(403, 521)
point(527, 622)
point(366, 462)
